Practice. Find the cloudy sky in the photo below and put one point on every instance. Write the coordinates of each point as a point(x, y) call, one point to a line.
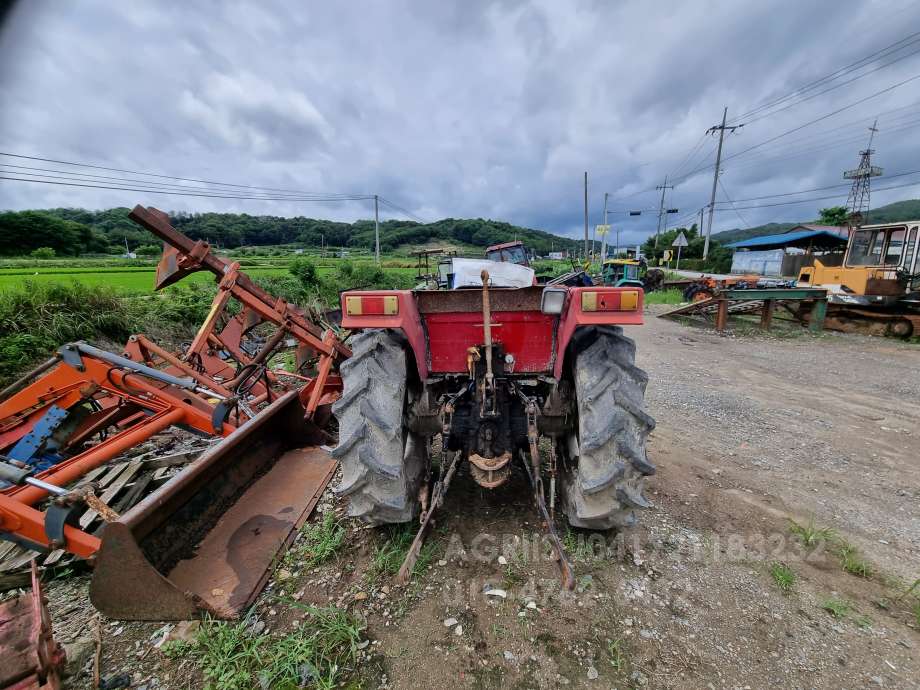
point(490, 109)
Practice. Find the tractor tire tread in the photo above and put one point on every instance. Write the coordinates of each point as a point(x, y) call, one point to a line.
point(382, 464)
point(604, 487)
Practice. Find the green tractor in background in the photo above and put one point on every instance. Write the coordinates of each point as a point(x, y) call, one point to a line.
point(631, 273)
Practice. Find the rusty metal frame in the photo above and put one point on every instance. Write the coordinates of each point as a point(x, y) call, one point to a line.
point(134, 406)
point(183, 256)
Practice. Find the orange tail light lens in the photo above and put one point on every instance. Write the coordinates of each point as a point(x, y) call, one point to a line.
point(622, 300)
point(371, 305)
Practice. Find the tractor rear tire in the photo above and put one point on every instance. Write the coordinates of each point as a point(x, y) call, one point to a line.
point(603, 487)
point(382, 462)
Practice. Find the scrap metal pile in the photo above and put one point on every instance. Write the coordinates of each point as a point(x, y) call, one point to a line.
point(203, 537)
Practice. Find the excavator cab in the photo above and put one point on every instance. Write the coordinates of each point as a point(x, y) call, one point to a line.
point(879, 264)
point(877, 289)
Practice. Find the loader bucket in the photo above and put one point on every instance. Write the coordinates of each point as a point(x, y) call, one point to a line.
point(206, 541)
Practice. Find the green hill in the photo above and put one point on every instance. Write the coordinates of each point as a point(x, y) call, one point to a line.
point(72, 231)
point(891, 213)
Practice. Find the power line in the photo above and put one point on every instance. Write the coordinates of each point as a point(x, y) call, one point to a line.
point(883, 52)
point(826, 116)
point(404, 211)
point(176, 193)
point(87, 180)
point(162, 187)
point(689, 155)
point(167, 177)
point(831, 88)
point(732, 203)
point(825, 198)
point(703, 168)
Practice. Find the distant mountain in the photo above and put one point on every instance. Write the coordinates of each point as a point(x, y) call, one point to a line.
point(72, 231)
point(891, 213)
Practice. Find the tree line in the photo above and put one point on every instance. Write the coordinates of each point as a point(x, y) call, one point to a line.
point(74, 231)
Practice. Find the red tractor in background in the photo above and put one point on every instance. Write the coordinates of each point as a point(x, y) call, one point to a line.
point(494, 370)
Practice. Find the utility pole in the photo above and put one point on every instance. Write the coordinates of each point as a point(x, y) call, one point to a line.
point(715, 178)
point(586, 215)
point(594, 240)
point(699, 228)
point(376, 232)
point(663, 187)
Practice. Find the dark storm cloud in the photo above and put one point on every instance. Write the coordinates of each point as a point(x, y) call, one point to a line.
point(488, 109)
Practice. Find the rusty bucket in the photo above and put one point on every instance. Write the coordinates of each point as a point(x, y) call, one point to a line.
point(206, 541)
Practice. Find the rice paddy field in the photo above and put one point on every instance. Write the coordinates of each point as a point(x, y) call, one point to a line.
point(134, 278)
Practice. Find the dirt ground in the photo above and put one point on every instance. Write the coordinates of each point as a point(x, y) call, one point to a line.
point(753, 431)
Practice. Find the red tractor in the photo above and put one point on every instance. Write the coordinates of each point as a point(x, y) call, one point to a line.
point(494, 371)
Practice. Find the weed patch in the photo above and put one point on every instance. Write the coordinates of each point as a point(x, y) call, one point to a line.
point(318, 653)
point(852, 562)
point(616, 656)
point(809, 535)
point(838, 608)
point(316, 543)
point(665, 297)
point(783, 576)
point(389, 555)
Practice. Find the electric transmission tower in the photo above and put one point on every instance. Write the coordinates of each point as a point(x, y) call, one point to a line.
point(858, 201)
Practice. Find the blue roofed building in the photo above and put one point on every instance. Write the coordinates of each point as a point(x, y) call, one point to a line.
point(785, 254)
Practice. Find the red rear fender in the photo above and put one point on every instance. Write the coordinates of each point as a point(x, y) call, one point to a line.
point(394, 309)
point(537, 341)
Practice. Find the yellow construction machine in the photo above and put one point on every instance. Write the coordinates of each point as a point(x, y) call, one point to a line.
point(876, 288)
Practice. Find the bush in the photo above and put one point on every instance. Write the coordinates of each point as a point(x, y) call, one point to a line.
point(148, 250)
point(37, 318)
point(176, 308)
point(305, 271)
point(43, 253)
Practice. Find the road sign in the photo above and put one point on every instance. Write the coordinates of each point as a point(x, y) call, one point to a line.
point(667, 255)
point(680, 240)
point(603, 229)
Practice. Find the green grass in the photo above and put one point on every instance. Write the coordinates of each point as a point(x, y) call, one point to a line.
point(389, 556)
point(38, 318)
point(863, 622)
point(838, 608)
point(809, 535)
point(580, 547)
point(852, 562)
point(123, 279)
point(318, 653)
point(616, 655)
point(317, 543)
point(515, 571)
point(665, 297)
point(783, 576)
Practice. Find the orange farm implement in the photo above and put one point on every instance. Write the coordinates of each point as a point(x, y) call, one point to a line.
point(203, 541)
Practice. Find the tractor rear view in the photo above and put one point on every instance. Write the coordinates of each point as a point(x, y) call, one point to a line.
point(539, 375)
